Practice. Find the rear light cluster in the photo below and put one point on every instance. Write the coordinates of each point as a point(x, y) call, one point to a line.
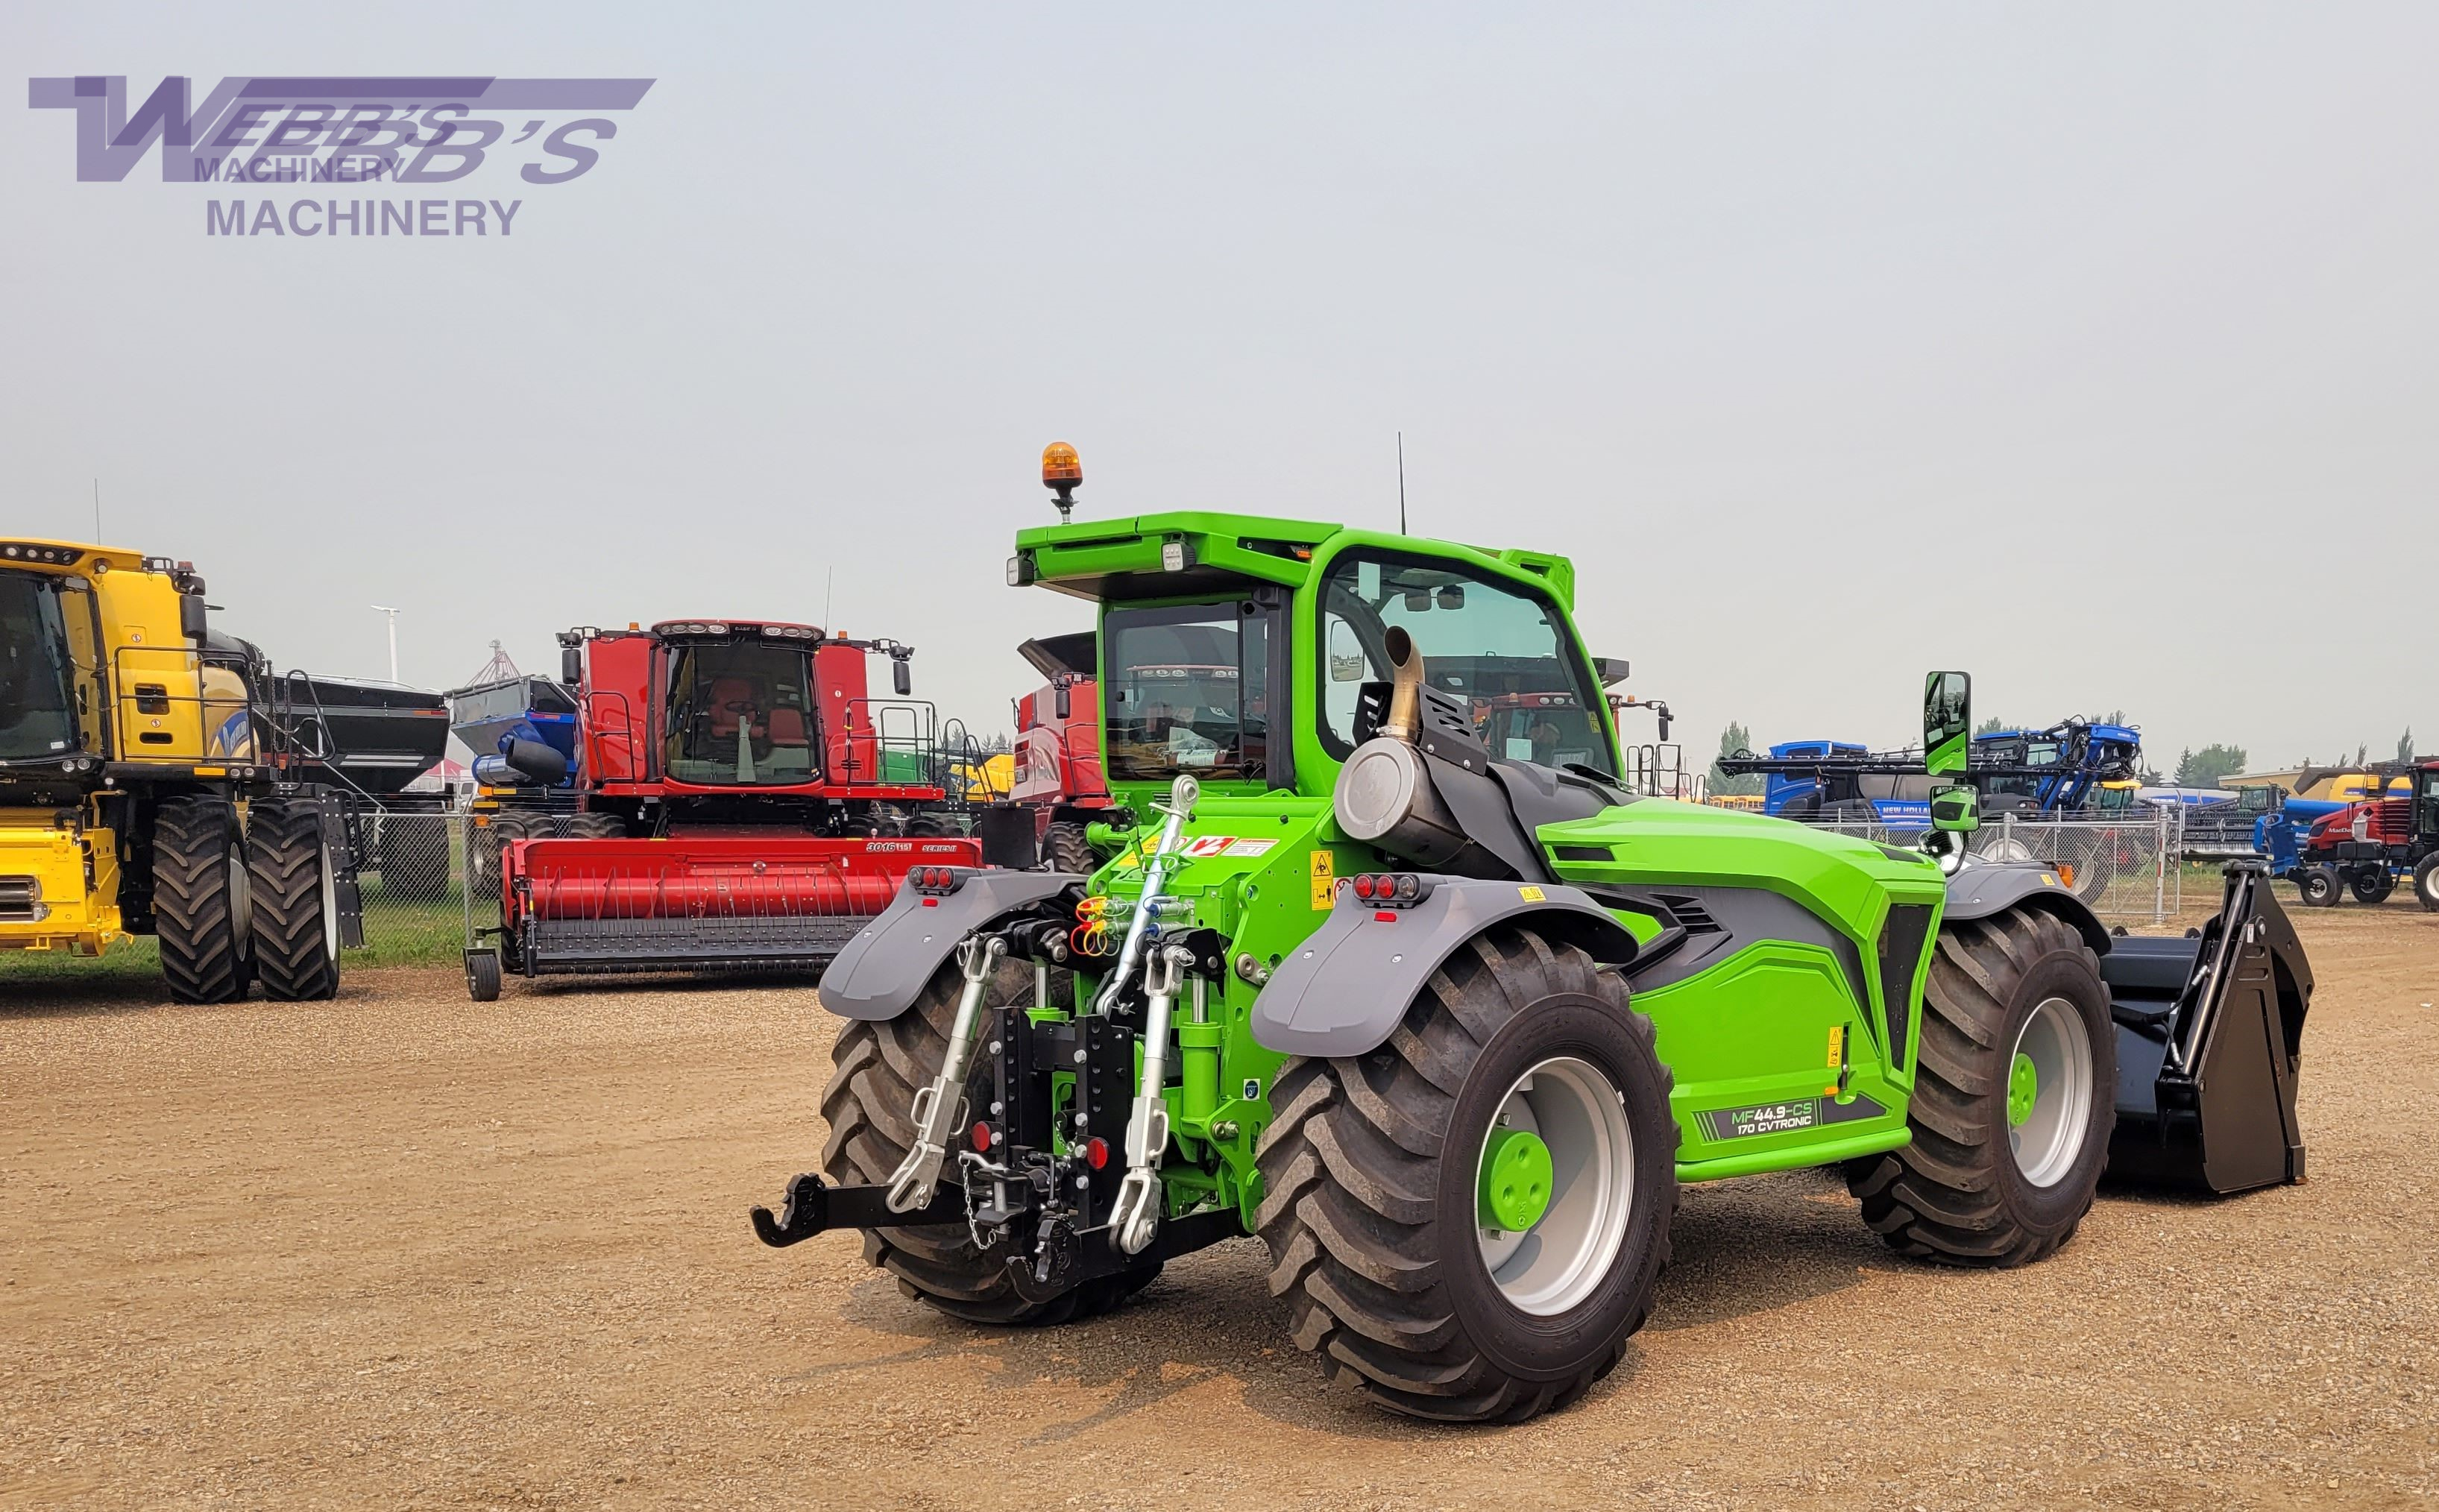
point(1392, 889)
point(937, 878)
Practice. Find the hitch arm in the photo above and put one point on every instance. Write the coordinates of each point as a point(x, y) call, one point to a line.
point(813, 1207)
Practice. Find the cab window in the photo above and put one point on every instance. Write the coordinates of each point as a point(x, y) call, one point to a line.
point(1500, 649)
point(1186, 690)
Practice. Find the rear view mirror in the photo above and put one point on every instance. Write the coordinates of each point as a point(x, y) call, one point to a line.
point(1946, 720)
point(901, 677)
point(570, 664)
point(1957, 810)
point(1345, 653)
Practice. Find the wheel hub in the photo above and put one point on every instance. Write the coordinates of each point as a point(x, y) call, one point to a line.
point(1515, 1180)
point(2023, 1090)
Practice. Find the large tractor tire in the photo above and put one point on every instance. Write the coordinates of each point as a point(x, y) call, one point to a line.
point(413, 858)
point(2372, 887)
point(1466, 1222)
point(202, 902)
point(1064, 849)
point(871, 1092)
point(295, 903)
point(2015, 1098)
point(483, 850)
point(2426, 884)
point(2318, 886)
point(589, 826)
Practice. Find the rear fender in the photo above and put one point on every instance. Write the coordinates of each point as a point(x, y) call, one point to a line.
point(889, 961)
point(1343, 990)
point(1983, 889)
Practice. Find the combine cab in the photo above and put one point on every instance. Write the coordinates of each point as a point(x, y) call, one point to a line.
point(743, 802)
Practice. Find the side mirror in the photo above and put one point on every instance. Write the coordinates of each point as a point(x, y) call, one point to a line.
point(570, 664)
point(901, 677)
point(1956, 809)
point(1061, 704)
point(1946, 720)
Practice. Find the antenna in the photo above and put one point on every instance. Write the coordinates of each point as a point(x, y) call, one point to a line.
point(393, 639)
point(1401, 483)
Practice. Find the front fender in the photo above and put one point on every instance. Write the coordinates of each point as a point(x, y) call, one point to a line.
point(1983, 888)
point(1344, 990)
point(891, 959)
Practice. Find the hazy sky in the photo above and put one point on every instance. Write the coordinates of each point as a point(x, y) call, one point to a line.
point(2094, 348)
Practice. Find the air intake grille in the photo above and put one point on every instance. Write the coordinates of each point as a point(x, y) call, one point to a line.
point(1901, 941)
point(1691, 916)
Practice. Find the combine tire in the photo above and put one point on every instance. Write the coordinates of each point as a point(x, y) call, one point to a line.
point(201, 901)
point(295, 903)
point(596, 827)
point(1466, 1222)
point(2372, 886)
point(2318, 886)
point(413, 858)
point(879, 1066)
point(483, 857)
point(1064, 848)
point(2426, 884)
point(2015, 1098)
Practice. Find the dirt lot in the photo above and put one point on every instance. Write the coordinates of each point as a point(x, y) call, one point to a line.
point(409, 1252)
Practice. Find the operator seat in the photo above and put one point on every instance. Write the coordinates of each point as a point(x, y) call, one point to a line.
point(735, 704)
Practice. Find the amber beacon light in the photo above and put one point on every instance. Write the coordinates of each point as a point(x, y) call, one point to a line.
point(1062, 471)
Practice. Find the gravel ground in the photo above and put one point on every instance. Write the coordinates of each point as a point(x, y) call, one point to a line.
point(406, 1250)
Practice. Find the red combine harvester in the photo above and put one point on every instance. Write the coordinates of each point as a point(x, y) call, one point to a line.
point(744, 803)
point(1058, 777)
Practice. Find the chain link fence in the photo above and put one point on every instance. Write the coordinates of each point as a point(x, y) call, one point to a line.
point(2126, 868)
point(414, 864)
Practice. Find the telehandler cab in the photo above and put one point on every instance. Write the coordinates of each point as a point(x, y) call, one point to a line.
point(1447, 1023)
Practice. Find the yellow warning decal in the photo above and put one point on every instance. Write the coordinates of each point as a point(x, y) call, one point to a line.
point(1532, 894)
point(1325, 880)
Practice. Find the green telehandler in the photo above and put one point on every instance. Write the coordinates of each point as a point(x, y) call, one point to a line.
point(1382, 963)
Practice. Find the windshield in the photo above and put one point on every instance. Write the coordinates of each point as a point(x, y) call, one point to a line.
point(1495, 646)
point(37, 693)
point(1188, 689)
point(740, 715)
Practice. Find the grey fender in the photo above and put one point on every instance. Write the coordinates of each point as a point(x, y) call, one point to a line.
point(1981, 889)
point(1342, 991)
point(891, 959)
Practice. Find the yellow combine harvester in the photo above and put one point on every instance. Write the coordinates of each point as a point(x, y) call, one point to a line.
point(148, 786)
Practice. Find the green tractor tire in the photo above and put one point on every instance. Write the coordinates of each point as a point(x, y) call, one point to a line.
point(2014, 1099)
point(1385, 1176)
point(877, 1068)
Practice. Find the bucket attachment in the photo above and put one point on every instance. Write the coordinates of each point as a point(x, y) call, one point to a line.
point(2210, 1032)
